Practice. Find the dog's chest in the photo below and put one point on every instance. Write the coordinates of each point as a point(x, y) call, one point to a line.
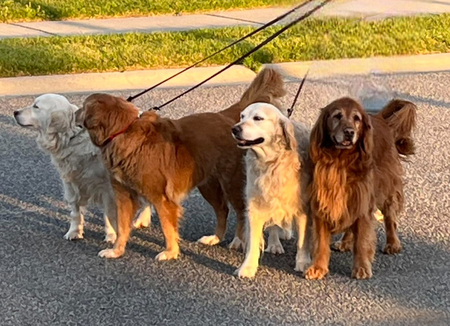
point(338, 195)
point(274, 188)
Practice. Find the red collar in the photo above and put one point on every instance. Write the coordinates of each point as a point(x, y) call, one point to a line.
point(110, 138)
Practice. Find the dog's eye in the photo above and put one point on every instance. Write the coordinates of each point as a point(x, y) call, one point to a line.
point(242, 116)
point(257, 118)
point(356, 118)
point(35, 106)
point(338, 116)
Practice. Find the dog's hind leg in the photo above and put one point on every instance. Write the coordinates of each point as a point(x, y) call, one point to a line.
point(144, 218)
point(274, 245)
point(392, 208)
point(169, 213)
point(76, 223)
point(110, 215)
point(236, 198)
point(214, 195)
point(303, 258)
point(345, 243)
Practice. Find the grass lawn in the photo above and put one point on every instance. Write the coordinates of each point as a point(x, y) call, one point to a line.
point(25, 10)
point(312, 40)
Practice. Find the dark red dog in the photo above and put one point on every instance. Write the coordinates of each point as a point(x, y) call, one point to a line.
point(356, 167)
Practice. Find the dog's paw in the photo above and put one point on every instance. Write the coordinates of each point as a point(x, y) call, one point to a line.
point(110, 253)
point(302, 264)
point(74, 235)
point(144, 219)
point(275, 248)
point(392, 248)
point(167, 255)
point(342, 246)
point(236, 244)
point(362, 273)
point(315, 273)
point(286, 234)
point(246, 271)
point(111, 237)
point(210, 240)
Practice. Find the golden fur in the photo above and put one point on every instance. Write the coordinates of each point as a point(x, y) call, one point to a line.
point(355, 162)
point(162, 159)
point(273, 189)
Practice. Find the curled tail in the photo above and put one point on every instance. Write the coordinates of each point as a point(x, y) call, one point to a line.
point(268, 87)
point(401, 116)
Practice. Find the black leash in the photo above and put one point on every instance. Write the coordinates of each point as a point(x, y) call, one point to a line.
point(268, 40)
point(291, 110)
point(131, 98)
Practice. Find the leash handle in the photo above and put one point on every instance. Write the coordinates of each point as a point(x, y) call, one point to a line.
point(291, 110)
point(270, 23)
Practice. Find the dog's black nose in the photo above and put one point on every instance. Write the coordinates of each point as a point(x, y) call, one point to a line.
point(16, 113)
point(349, 133)
point(236, 130)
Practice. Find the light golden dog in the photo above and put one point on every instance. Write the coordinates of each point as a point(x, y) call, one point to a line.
point(276, 151)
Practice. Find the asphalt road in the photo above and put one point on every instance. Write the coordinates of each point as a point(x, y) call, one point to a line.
point(46, 280)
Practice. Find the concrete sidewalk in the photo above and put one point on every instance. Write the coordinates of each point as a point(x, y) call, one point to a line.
point(365, 9)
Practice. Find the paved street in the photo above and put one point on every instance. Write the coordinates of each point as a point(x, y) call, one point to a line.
point(46, 280)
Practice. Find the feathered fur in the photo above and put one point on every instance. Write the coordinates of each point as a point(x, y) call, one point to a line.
point(356, 167)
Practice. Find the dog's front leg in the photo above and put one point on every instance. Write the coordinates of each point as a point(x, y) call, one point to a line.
point(126, 208)
point(364, 247)
point(76, 213)
point(321, 250)
point(303, 258)
point(254, 230)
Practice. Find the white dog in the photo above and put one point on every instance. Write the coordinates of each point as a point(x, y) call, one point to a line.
point(277, 149)
point(78, 161)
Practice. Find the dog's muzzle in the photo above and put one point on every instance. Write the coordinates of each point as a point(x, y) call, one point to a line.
point(237, 134)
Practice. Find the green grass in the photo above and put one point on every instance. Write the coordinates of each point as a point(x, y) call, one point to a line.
point(312, 40)
point(25, 10)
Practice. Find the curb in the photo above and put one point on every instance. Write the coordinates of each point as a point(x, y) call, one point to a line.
point(382, 65)
point(134, 80)
point(113, 81)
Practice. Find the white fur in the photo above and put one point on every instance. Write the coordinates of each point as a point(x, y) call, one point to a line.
point(273, 190)
point(78, 161)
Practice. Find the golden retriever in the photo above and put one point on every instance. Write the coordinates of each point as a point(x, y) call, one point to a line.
point(356, 167)
point(162, 160)
point(276, 152)
point(79, 163)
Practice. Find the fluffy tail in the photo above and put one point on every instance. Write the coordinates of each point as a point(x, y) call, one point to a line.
point(268, 87)
point(401, 116)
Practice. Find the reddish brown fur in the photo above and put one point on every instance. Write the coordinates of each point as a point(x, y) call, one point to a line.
point(163, 159)
point(348, 184)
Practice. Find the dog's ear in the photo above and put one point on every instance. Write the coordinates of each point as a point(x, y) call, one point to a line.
point(79, 117)
point(317, 139)
point(366, 144)
point(59, 122)
point(288, 133)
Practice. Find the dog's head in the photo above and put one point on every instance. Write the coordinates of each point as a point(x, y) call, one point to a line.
point(342, 125)
point(261, 125)
point(105, 115)
point(49, 113)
